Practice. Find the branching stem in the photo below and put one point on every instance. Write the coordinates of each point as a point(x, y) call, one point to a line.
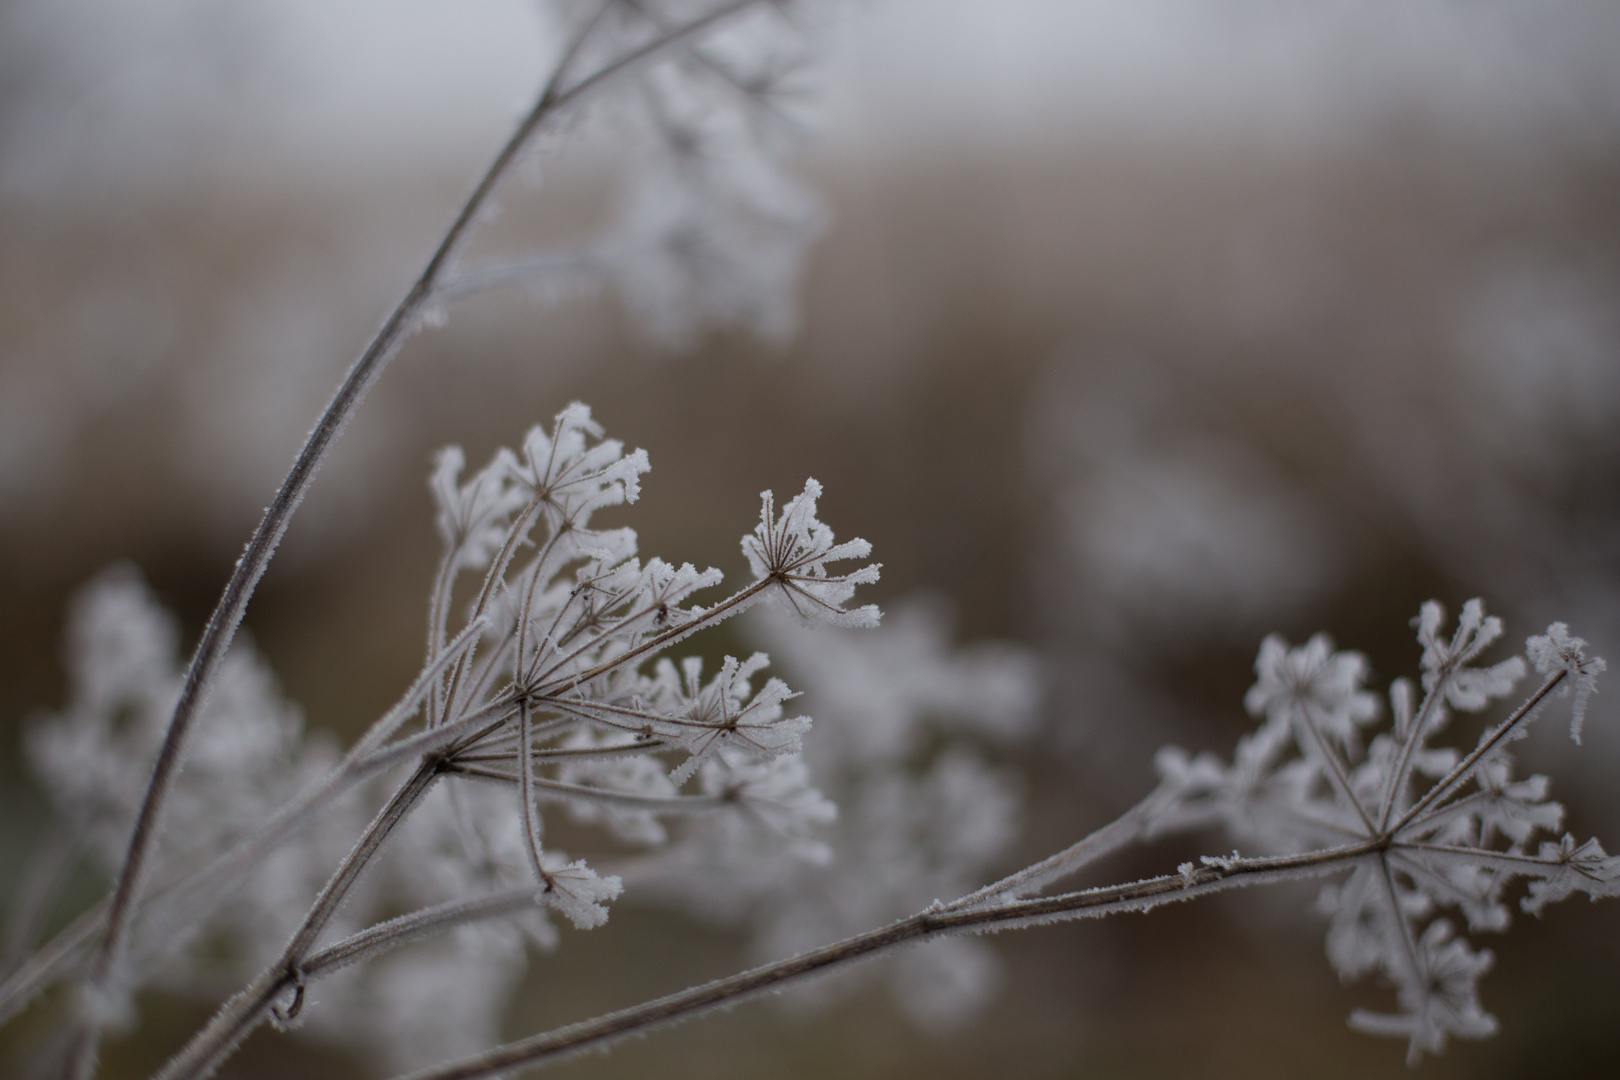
point(934, 922)
point(250, 568)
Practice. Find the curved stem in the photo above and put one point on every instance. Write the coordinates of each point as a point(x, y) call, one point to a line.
point(418, 924)
point(934, 922)
point(244, 1012)
point(250, 567)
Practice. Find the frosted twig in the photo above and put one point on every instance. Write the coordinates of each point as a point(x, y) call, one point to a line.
point(1460, 773)
point(238, 1017)
point(1123, 831)
point(934, 922)
point(414, 926)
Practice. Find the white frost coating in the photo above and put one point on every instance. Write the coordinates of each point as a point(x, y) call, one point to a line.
point(557, 672)
point(792, 552)
point(701, 719)
point(902, 722)
point(711, 229)
point(1312, 684)
point(1559, 650)
point(250, 756)
point(1469, 689)
point(1454, 830)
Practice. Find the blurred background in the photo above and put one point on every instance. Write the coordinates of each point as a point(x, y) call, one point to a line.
point(1137, 331)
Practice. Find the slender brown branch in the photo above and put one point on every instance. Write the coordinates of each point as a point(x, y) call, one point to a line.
point(418, 924)
point(931, 923)
point(244, 1012)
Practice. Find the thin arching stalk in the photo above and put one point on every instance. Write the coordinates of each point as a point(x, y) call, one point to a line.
point(938, 921)
point(250, 1007)
point(557, 94)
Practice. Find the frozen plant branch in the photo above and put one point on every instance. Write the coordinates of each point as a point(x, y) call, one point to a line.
point(1440, 852)
point(565, 87)
point(543, 692)
point(1218, 876)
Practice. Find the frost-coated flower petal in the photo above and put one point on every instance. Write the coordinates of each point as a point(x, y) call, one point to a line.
point(574, 471)
point(1312, 683)
point(792, 552)
point(1558, 649)
point(1585, 868)
point(777, 793)
point(473, 517)
point(723, 713)
point(1443, 1004)
point(1468, 689)
point(1456, 847)
point(579, 892)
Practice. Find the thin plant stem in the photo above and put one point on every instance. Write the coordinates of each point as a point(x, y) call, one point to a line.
point(1121, 832)
point(1460, 772)
point(934, 922)
point(1403, 768)
point(50, 963)
point(248, 1008)
point(414, 926)
point(250, 567)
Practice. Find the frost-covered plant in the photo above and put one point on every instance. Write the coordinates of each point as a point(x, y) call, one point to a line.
point(710, 230)
point(903, 726)
point(546, 684)
point(1413, 830)
point(1447, 830)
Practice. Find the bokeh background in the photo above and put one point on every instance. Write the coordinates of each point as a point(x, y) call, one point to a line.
point(1137, 330)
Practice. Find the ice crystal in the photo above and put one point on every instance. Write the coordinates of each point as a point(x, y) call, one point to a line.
point(1558, 650)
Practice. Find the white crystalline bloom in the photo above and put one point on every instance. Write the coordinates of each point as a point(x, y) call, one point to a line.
point(473, 516)
point(711, 229)
point(121, 650)
point(792, 552)
point(565, 668)
point(1469, 689)
point(1312, 683)
point(1449, 833)
point(724, 713)
point(900, 716)
point(778, 795)
point(1559, 650)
